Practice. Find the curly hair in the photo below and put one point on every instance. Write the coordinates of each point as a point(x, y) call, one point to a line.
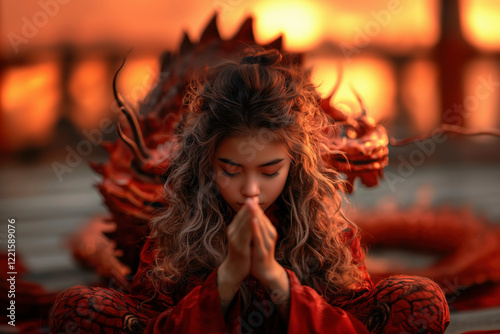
point(264, 90)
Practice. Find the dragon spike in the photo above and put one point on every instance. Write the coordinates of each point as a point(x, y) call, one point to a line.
point(186, 44)
point(277, 43)
point(132, 119)
point(360, 101)
point(245, 34)
point(165, 61)
point(211, 32)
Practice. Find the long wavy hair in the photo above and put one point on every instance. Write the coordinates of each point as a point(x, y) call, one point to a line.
point(263, 90)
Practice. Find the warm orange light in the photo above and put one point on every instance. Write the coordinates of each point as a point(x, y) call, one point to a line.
point(420, 96)
point(90, 88)
point(371, 77)
point(137, 78)
point(300, 22)
point(481, 23)
point(399, 26)
point(30, 98)
point(482, 98)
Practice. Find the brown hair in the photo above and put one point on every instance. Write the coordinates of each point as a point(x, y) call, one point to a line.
point(265, 90)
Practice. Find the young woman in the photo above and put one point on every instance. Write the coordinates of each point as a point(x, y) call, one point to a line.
point(253, 238)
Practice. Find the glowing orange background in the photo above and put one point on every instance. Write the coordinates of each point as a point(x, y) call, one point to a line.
point(377, 31)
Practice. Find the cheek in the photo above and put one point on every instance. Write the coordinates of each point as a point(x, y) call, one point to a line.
point(275, 187)
point(225, 185)
point(282, 181)
point(221, 181)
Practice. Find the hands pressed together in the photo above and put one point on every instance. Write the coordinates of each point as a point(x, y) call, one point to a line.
point(251, 246)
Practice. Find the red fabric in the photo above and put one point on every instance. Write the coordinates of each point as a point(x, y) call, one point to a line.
point(200, 312)
point(403, 304)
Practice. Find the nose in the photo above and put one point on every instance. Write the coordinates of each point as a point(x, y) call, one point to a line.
point(250, 187)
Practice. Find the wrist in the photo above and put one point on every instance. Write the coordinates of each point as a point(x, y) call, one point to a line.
point(277, 285)
point(274, 276)
point(226, 277)
point(226, 287)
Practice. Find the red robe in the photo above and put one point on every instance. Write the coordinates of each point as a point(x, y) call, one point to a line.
point(402, 304)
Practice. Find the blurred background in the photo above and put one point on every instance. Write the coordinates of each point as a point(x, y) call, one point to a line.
point(415, 64)
point(411, 61)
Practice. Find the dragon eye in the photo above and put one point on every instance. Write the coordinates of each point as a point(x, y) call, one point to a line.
point(349, 132)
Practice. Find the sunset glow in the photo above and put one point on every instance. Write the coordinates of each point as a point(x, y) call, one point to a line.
point(89, 89)
point(481, 23)
point(364, 37)
point(300, 21)
point(481, 100)
point(30, 101)
point(420, 96)
point(136, 78)
point(371, 77)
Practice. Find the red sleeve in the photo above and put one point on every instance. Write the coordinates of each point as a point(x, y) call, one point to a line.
point(310, 313)
point(199, 311)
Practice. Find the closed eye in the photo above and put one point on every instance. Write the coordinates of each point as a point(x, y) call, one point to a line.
point(266, 175)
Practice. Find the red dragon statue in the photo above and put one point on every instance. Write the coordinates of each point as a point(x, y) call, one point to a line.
point(132, 179)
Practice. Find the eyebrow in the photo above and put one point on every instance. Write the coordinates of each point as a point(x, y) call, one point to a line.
point(229, 162)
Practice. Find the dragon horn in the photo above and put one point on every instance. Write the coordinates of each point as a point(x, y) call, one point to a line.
point(325, 103)
point(340, 70)
point(131, 144)
point(141, 151)
point(361, 104)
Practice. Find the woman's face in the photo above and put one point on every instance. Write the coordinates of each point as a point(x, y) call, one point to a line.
point(248, 166)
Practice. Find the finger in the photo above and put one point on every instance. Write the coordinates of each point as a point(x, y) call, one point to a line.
point(272, 233)
point(263, 231)
point(241, 216)
point(243, 236)
point(258, 243)
point(242, 230)
point(268, 231)
point(254, 206)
